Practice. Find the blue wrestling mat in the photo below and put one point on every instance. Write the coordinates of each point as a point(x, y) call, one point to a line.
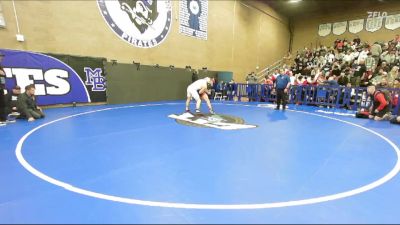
point(146, 163)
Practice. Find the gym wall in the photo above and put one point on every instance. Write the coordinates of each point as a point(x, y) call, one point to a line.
point(241, 35)
point(306, 27)
point(127, 84)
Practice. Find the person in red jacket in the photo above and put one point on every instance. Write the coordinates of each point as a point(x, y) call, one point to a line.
point(381, 104)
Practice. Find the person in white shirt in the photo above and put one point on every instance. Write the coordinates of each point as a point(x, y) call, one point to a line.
point(198, 90)
point(363, 55)
point(330, 57)
point(348, 58)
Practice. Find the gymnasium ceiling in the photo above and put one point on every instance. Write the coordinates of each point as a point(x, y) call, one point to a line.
point(303, 7)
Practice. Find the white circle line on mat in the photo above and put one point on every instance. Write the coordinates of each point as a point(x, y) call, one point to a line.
point(18, 151)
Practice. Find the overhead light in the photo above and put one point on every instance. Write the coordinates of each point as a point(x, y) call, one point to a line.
point(294, 1)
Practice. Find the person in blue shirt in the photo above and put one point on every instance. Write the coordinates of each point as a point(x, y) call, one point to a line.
point(282, 84)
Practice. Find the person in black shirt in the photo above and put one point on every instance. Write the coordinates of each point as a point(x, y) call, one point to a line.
point(336, 69)
point(3, 114)
point(359, 72)
point(12, 98)
point(357, 40)
point(343, 80)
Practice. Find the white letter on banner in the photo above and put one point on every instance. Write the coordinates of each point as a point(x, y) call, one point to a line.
point(59, 86)
point(23, 78)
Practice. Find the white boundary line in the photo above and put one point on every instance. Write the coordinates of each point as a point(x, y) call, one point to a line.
point(69, 187)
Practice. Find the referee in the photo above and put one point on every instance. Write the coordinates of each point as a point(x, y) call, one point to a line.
point(282, 84)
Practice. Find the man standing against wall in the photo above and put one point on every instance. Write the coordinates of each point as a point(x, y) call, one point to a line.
point(3, 114)
point(282, 84)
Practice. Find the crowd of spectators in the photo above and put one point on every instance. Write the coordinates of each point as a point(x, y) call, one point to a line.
point(350, 63)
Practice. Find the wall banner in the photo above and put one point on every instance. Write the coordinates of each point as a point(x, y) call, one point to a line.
point(392, 22)
point(339, 28)
point(193, 16)
point(356, 26)
point(374, 24)
point(324, 29)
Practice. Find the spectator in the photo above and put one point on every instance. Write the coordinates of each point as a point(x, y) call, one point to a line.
point(355, 53)
point(359, 72)
point(376, 51)
point(3, 114)
point(336, 69)
point(330, 57)
point(389, 57)
point(357, 40)
point(343, 80)
point(377, 78)
point(287, 60)
point(268, 80)
point(251, 80)
point(397, 38)
point(384, 66)
point(11, 99)
point(27, 106)
point(231, 86)
point(370, 63)
point(363, 55)
point(348, 58)
point(392, 75)
point(396, 83)
point(332, 81)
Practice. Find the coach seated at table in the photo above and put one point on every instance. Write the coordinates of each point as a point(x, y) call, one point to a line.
point(27, 106)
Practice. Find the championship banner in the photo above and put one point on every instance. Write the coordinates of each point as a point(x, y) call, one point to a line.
point(193, 16)
point(339, 28)
point(374, 24)
point(55, 81)
point(2, 20)
point(324, 29)
point(356, 26)
point(392, 22)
